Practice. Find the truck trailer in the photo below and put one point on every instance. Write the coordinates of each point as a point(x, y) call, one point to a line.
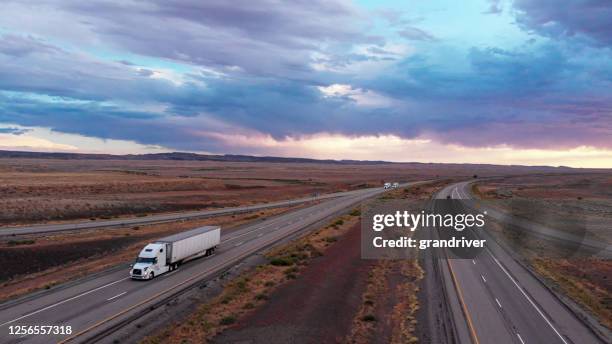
point(166, 254)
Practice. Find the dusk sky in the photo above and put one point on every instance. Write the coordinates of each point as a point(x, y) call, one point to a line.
point(478, 81)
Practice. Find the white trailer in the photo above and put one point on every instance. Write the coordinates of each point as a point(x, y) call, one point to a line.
point(166, 254)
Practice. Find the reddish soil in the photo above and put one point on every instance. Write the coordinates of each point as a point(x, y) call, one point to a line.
point(26, 260)
point(317, 307)
point(42, 190)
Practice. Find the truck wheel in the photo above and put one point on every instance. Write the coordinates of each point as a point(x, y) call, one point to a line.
point(151, 276)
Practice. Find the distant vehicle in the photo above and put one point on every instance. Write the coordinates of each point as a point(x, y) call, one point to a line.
point(395, 185)
point(166, 254)
point(387, 185)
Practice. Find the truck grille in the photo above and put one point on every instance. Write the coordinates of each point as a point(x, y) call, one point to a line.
point(136, 272)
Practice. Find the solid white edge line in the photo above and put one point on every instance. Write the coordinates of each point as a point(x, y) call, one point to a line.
point(528, 298)
point(63, 301)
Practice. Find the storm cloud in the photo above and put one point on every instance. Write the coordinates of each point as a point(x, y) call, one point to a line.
point(590, 18)
point(180, 74)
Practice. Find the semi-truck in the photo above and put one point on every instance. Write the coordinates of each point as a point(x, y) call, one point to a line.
point(167, 254)
point(387, 185)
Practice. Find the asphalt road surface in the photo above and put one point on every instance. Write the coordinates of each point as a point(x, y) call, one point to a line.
point(97, 303)
point(500, 301)
point(48, 228)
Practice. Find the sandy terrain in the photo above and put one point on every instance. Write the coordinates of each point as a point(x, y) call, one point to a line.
point(580, 204)
point(317, 307)
point(253, 289)
point(43, 190)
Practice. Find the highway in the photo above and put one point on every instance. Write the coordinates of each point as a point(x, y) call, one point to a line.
point(95, 304)
point(161, 218)
point(500, 301)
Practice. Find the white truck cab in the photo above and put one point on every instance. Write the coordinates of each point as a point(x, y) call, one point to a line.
point(387, 185)
point(166, 254)
point(151, 262)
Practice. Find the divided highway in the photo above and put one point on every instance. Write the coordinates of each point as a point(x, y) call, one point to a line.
point(500, 301)
point(47, 228)
point(95, 304)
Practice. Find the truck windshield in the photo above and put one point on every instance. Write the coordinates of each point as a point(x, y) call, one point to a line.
point(146, 260)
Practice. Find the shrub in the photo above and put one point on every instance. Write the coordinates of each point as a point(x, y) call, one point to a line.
point(20, 242)
point(260, 297)
point(281, 262)
point(228, 320)
point(241, 285)
point(368, 317)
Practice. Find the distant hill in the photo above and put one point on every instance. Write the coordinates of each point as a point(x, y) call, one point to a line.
point(176, 156)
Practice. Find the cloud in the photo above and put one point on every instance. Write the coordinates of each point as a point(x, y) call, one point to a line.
point(415, 34)
point(359, 96)
point(32, 65)
point(14, 131)
point(186, 75)
point(590, 18)
point(265, 38)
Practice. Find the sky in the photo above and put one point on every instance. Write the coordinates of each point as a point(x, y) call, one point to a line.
point(475, 81)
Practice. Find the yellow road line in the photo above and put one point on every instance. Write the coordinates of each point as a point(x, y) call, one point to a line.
point(468, 317)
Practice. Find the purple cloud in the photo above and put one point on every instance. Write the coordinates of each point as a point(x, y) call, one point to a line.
point(590, 18)
point(265, 38)
point(256, 68)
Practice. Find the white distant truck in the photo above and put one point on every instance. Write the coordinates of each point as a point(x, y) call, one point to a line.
point(166, 254)
point(387, 185)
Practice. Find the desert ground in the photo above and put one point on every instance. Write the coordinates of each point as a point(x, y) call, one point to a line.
point(373, 301)
point(316, 289)
point(52, 190)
